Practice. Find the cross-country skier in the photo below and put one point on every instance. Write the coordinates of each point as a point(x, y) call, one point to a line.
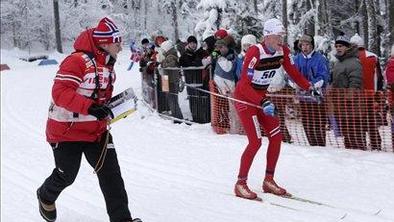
point(262, 62)
point(77, 122)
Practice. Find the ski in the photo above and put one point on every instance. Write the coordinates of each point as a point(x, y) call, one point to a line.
point(308, 201)
point(291, 208)
point(259, 199)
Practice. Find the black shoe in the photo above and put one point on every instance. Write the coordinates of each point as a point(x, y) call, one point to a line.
point(133, 220)
point(47, 211)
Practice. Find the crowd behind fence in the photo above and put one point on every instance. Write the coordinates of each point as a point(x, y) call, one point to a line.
point(345, 118)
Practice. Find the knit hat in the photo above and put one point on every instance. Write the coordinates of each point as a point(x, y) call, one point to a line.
point(357, 40)
point(191, 39)
point(167, 45)
point(144, 41)
point(106, 32)
point(248, 39)
point(220, 34)
point(306, 38)
point(159, 40)
point(273, 26)
point(343, 40)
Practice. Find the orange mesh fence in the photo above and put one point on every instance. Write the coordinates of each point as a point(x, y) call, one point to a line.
point(352, 119)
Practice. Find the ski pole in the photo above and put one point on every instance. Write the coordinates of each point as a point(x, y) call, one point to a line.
point(242, 101)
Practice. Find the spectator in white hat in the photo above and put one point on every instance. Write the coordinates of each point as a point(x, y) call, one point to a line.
point(170, 61)
point(372, 82)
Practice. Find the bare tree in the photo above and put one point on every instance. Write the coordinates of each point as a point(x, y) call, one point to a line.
point(372, 26)
point(285, 19)
point(57, 26)
point(256, 10)
point(175, 19)
point(364, 22)
point(323, 14)
point(391, 21)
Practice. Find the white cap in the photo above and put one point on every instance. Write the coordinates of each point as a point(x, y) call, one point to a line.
point(248, 39)
point(273, 27)
point(167, 45)
point(357, 40)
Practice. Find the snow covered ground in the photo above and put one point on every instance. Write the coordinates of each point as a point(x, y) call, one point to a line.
point(177, 172)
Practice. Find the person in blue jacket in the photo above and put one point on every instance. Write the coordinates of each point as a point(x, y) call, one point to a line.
point(313, 66)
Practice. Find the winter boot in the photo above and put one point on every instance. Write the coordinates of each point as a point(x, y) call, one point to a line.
point(133, 220)
point(241, 189)
point(269, 186)
point(47, 211)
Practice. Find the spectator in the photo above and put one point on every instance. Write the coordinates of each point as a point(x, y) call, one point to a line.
point(347, 80)
point(313, 66)
point(135, 54)
point(225, 77)
point(170, 61)
point(262, 62)
point(372, 84)
point(296, 48)
point(390, 85)
point(192, 57)
point(147, 68)
point(246, 42)
point(78, 120)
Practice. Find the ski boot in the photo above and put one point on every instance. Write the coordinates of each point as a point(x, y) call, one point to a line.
point(269, 186)
point(242, 190)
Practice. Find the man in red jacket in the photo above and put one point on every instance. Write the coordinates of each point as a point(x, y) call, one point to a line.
point(262, 62)
point(372, 84)
point(78, 118)
point(390, 87)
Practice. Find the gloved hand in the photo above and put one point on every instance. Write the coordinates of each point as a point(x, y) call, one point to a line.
point(268, 107)
point(315, 93)
point(100, 111)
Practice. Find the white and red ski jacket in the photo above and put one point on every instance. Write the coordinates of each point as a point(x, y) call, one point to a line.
point(83, 78)
point(260, 67)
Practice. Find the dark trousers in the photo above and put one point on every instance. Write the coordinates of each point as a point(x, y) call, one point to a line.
point(314, 120)
point(173, 103)
point(68, 157)
point(371, 124)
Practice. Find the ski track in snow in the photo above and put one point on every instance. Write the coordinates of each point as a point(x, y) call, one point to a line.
point(178, 172)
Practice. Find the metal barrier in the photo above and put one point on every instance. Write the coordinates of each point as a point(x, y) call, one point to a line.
point(164, 91)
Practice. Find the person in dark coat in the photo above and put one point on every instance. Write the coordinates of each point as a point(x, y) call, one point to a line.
point(192, 57)
point(347, 82)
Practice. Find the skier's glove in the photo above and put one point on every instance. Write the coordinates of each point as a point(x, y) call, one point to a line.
point(268, 107)
point(100, 111)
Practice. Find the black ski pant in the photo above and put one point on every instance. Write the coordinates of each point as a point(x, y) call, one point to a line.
point(68, 160)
